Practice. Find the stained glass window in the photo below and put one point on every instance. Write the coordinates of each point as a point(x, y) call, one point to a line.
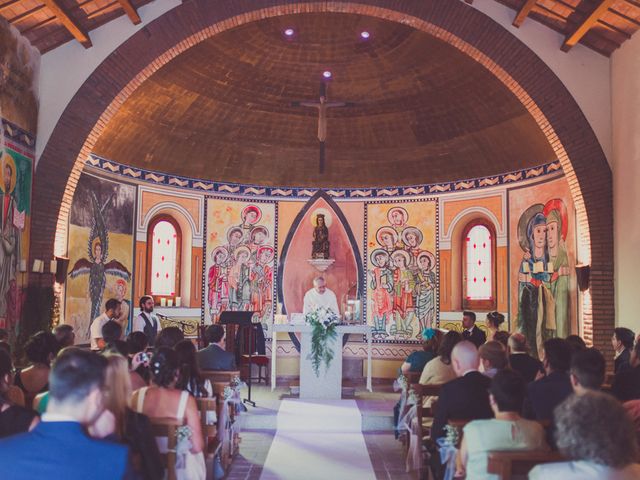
point(164, 256)
point(479, 265)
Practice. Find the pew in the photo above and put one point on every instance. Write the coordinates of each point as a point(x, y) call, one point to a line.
point(214, 376)
point(167, 427)
point(209, 430)
point(506, 463)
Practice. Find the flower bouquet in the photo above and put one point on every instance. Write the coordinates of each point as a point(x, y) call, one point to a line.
point(323, 322)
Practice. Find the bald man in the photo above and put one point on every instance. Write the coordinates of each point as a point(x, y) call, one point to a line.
point(467, 396)
point(320, 297)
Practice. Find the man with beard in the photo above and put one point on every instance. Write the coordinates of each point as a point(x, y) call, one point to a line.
point(147, 321)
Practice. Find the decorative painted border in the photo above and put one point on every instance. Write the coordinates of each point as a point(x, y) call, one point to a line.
point(366, 258)
point(248, 190)
point(19, 137)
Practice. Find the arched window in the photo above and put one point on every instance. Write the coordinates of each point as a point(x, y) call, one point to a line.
point(163, 257)
point(479, 266)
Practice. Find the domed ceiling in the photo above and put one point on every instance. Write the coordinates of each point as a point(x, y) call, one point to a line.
point(420, 111)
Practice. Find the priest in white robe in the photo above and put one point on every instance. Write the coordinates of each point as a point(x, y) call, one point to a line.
point(320, 296)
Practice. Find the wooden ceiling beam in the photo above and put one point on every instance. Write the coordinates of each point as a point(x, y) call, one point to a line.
point(523, 13)
point(8, 4)
point(131, 11)
point(74, 27)
point(586, 25)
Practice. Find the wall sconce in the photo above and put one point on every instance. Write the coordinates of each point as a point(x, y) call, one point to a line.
point(38, 266)
point(583, 273)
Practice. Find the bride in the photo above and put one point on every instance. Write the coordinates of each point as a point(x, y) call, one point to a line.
point(163, 400)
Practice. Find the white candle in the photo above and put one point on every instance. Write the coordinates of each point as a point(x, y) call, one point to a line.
point(169, 302)
point(23, 265)
point(163, 302)
point(53, 266)
point(36, 266)
point(178, 301)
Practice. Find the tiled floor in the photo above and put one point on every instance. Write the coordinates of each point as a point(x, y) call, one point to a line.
point(386, 453)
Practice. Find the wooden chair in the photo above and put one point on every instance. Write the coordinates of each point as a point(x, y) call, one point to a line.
point(167, 427)
point(209, 431)
point(505, 463)
point(262, 362)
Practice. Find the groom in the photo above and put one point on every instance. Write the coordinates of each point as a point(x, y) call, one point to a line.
point(320, 296)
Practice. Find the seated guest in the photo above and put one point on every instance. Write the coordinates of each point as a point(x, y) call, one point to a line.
point(120, 424)
point(493, 322)
point(493, 358)
point(626, 384)
point(587, 370)
point(467, 396)
point(112, 311)
point(58, 446)
point(169, 337)
point(41, 349)
point(521, 361)
point(111, 333)
point(189, 378)
point(471, 332)
point(138, 360)
point(416, 360)
point(596, 434)
point(137, 342)
point(215, 357)
point(576, 343)
point(507, 431)
point(13, 418)
point(547, 393)
point(502, 337)
point(622, 342)
point(439, 370)
point(65, 335)
point(163, 400)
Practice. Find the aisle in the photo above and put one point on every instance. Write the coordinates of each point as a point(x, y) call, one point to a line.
point(319, 439)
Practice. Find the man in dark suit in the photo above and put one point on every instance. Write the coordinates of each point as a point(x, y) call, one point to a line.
point(466, 397)
point(622, 342)
point(58, 446)
point(471, 332)
point(587, 370)
point(215, 357)
point(545, 394)
point(521, 361)
point(626, 384)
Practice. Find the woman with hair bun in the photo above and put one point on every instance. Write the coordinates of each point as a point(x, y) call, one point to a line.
point(40, 349)
point(493, 322)
point(163, 400)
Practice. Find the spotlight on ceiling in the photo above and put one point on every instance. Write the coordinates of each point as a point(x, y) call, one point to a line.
point(289, 32)
point(365, 35)
point(327, 74)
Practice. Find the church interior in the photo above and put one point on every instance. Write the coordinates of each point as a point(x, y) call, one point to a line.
point(369, 212)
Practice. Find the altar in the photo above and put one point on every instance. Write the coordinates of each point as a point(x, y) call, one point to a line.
point(328, 384)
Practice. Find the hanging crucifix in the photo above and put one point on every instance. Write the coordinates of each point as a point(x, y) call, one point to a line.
point(322, 105)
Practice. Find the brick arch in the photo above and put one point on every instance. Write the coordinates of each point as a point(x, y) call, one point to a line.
point(476, 35)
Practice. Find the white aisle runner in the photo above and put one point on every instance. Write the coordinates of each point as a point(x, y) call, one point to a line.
point(318, 439)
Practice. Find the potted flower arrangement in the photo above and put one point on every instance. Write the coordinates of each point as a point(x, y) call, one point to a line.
point(323, 322)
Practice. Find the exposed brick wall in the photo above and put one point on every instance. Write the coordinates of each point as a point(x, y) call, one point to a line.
point(530, 80)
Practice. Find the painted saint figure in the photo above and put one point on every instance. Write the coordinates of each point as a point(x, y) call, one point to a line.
point(261, 279)
point(382, 286)
point(218, 285)
point(96, 266)
point(425, 290)
point(403, 287)
point(320, 244)
point(9, 233)
point(239, 281)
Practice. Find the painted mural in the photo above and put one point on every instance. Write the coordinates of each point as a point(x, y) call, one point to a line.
point(100, 252)
point(15, 191)
point(402, 283)
point(239, 269)
point(543, 259)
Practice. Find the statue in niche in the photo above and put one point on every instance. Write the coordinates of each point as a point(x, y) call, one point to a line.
point(320, 244)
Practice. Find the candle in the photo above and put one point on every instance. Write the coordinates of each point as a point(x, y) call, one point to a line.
point(23, 265)
point(169, 302)
point(36, 266)
point(163, 302)
point(178, 301)
point(53, 266)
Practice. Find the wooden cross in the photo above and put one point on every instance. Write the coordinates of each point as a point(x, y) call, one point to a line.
point(322, 105)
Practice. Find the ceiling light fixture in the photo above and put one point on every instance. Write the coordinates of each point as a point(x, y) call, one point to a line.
point(326, 74)
point(289, 32)
point(365, 35)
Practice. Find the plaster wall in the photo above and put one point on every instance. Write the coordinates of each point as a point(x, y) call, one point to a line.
point(625, 102)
